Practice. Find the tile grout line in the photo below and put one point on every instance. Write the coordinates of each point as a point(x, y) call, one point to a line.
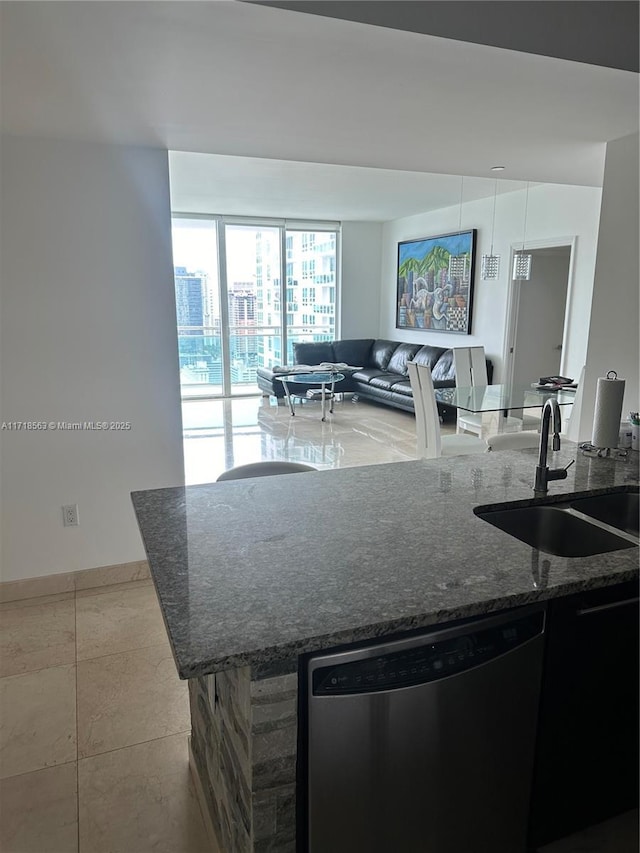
point(127, 652)
point(117, 749)
point(132, 745)
point(39, 669)
point(36, 770)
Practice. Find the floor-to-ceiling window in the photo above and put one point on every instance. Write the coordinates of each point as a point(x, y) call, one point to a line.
point(246, 291)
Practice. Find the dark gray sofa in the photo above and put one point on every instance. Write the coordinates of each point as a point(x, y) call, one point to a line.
point(383, 377)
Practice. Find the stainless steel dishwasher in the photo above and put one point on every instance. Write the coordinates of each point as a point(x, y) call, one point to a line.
point(426, 744)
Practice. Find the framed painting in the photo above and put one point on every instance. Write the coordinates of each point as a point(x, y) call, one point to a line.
point(435, 283)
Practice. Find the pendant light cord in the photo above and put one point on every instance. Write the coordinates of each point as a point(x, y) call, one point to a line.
point(493, 221)
point(461, 194)
point(526, 208)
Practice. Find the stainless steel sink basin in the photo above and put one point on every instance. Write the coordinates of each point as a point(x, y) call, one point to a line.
point(618, 509)
point(555, 530)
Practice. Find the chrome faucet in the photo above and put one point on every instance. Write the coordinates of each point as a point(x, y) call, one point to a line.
point(543, 473)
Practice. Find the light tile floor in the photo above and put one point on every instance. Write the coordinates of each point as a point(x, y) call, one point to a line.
point(93, 732)
point(94, 720)
point(220, 434)
point(93, 752)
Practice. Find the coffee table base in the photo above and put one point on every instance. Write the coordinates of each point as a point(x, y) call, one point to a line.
point(324, 393)
point(323, 397)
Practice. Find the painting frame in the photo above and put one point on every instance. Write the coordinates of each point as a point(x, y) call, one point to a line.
point(434, 283)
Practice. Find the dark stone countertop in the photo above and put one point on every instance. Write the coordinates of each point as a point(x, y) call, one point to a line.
point(256, 572)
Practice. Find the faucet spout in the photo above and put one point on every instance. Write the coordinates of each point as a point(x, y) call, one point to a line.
point(551, 411)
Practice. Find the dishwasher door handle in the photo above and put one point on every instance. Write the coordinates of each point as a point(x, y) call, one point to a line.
point(600, 608)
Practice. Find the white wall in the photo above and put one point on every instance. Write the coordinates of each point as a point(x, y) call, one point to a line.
point(613, 333)
point(361, 247)
point(554, 211)
point(88, 334)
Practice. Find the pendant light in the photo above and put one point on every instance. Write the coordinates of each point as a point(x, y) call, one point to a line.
point(522, 259)
point(458, 263)
point(490, 268)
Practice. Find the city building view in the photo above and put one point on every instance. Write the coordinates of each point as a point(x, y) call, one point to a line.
point(234, 314)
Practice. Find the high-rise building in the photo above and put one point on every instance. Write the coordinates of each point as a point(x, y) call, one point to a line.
point(210, 302)
point(255, 315)
point(310, 292)
point(242, 304)
point(242, 322)
point(189, 300)
point(198, 331)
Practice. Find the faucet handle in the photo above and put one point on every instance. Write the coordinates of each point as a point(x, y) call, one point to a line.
point(559, 473)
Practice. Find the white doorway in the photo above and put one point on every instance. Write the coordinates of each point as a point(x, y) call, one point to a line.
point(536, 316)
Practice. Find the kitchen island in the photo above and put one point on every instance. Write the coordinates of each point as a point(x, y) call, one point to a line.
point(252, 574)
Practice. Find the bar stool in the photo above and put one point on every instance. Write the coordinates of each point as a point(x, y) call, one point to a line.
point(264, 469)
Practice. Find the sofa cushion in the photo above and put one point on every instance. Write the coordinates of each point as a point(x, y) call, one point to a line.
point(354, 352)
point(384, 380)
point(402, 386)
point(313, 352)
point(444, 368)
point(429, 355)
point(367, 374)
point(381, 352)
point(399, 359)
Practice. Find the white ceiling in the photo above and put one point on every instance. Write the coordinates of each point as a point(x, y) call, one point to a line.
point(249, 81)
point(243, 186)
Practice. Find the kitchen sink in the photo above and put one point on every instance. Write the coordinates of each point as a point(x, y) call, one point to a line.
point(554, 530)
point(618, 509)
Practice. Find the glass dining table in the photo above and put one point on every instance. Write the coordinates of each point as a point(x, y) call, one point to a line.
point(501, 399)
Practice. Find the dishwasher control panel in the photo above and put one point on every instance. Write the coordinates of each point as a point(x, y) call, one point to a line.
point(425, 662)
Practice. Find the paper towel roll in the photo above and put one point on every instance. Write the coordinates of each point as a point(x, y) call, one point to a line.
point(608, 409)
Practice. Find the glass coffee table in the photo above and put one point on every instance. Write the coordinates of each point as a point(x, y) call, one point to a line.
point(325, 383)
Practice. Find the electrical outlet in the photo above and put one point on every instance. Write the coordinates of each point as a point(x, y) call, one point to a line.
point(70, 515)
